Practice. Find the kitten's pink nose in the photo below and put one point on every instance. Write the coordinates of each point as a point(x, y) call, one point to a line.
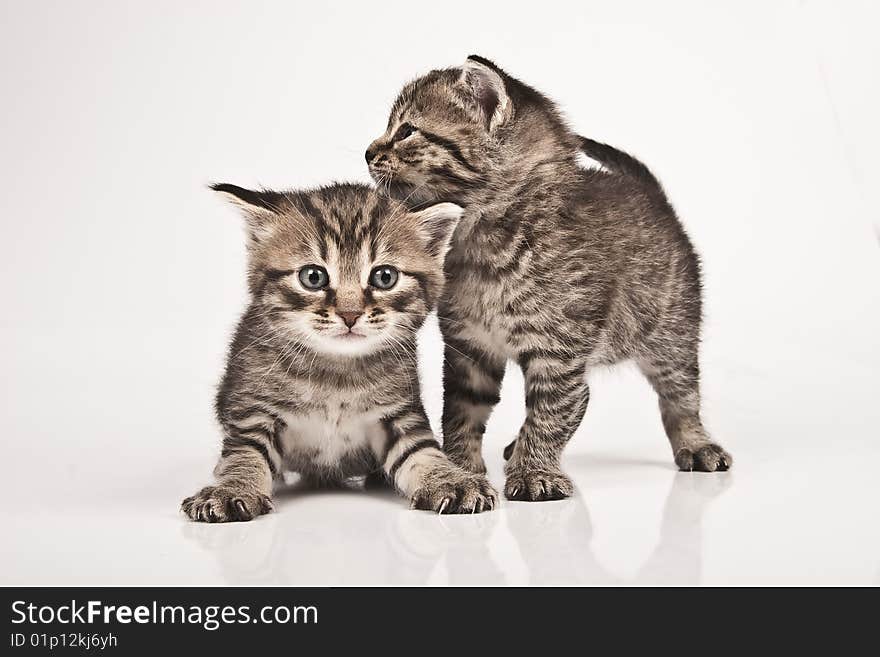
point(349, 318)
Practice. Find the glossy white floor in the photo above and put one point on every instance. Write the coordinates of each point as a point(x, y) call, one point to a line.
point(799, 507)
point(121, 278)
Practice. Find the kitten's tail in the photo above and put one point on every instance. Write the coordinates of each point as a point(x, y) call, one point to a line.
point(623, 163)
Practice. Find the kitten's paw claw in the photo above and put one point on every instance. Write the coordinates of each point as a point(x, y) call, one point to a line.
point(537, 485)
point(703, 458)
point(455, 491)
point(225, 504)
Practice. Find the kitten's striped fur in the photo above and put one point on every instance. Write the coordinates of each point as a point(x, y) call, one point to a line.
point(302, 392)
point(557, 268)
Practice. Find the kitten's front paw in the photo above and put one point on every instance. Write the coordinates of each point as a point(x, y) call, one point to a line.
point(704, 458)
point(225, 504)
point(530, 485)
point(472, 462)
point(454, 490)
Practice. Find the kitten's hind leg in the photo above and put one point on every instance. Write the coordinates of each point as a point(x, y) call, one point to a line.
point(677, 383)
point(556, 399)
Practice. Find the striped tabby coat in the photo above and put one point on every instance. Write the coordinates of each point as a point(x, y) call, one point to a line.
point(554, 267)
point(321, 377)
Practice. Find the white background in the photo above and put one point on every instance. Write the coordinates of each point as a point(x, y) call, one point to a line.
point(122, 278)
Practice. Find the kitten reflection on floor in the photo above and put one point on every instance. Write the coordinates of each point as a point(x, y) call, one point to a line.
point(349, 535)
point(557, 545)
point(341, 538)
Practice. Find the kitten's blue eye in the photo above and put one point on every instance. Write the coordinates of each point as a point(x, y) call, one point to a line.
point(313, 277)
point(404, 131)
point(384, 277)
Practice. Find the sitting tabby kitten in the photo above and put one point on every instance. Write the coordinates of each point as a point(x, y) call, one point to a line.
point(321, 377)
point(555, 267)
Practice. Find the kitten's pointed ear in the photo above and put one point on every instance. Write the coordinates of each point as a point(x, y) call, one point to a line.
point(481, 79)
point(437, 224)
point(260, 208)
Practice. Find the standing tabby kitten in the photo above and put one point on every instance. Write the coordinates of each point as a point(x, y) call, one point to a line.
point(321, 377)
point(555, 267)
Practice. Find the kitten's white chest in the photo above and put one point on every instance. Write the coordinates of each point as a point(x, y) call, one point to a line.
point(325, 436)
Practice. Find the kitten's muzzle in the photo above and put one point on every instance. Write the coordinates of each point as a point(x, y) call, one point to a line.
point(377, 152)
point(376, 159)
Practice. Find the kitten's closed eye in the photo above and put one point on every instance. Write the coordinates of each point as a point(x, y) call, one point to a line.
point(404, 131)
